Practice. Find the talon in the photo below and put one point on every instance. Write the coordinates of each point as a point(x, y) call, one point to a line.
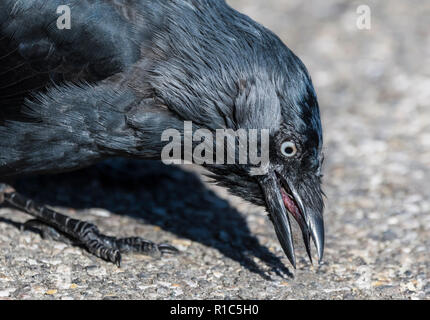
point(117, 259)
point(167, 248)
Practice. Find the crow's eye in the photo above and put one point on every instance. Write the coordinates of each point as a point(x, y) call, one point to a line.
point(289, 149)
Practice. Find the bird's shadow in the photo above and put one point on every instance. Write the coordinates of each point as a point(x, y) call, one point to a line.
point(169, 197)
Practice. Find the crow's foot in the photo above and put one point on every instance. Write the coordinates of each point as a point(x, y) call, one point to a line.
point(53, 225)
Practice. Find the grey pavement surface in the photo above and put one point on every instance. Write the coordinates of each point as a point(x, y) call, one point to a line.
point(374, 92)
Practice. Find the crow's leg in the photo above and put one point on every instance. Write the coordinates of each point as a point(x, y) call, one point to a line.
point(79, 232)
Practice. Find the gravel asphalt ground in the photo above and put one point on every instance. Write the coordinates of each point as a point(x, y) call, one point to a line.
point(374, 92)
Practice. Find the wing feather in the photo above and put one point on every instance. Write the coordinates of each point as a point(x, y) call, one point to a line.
point(35, 53)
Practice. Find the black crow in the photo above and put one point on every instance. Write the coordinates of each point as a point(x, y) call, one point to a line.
point(106, 78)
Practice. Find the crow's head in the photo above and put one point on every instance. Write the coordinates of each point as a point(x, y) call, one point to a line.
point(219, 69)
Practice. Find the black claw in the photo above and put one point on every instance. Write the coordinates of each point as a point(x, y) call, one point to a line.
point(117, 260)
point(167, 248)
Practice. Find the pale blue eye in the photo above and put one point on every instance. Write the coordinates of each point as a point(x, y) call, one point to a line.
point(288, 149)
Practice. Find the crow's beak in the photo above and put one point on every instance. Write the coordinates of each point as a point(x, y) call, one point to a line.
point(282, 196)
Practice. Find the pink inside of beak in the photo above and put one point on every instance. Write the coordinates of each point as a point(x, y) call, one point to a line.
point(291, 206)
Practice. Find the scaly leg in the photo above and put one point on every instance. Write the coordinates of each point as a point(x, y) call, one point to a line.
point(80, 232)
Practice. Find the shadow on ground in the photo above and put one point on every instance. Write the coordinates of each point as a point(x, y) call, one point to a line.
point(168, 197)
